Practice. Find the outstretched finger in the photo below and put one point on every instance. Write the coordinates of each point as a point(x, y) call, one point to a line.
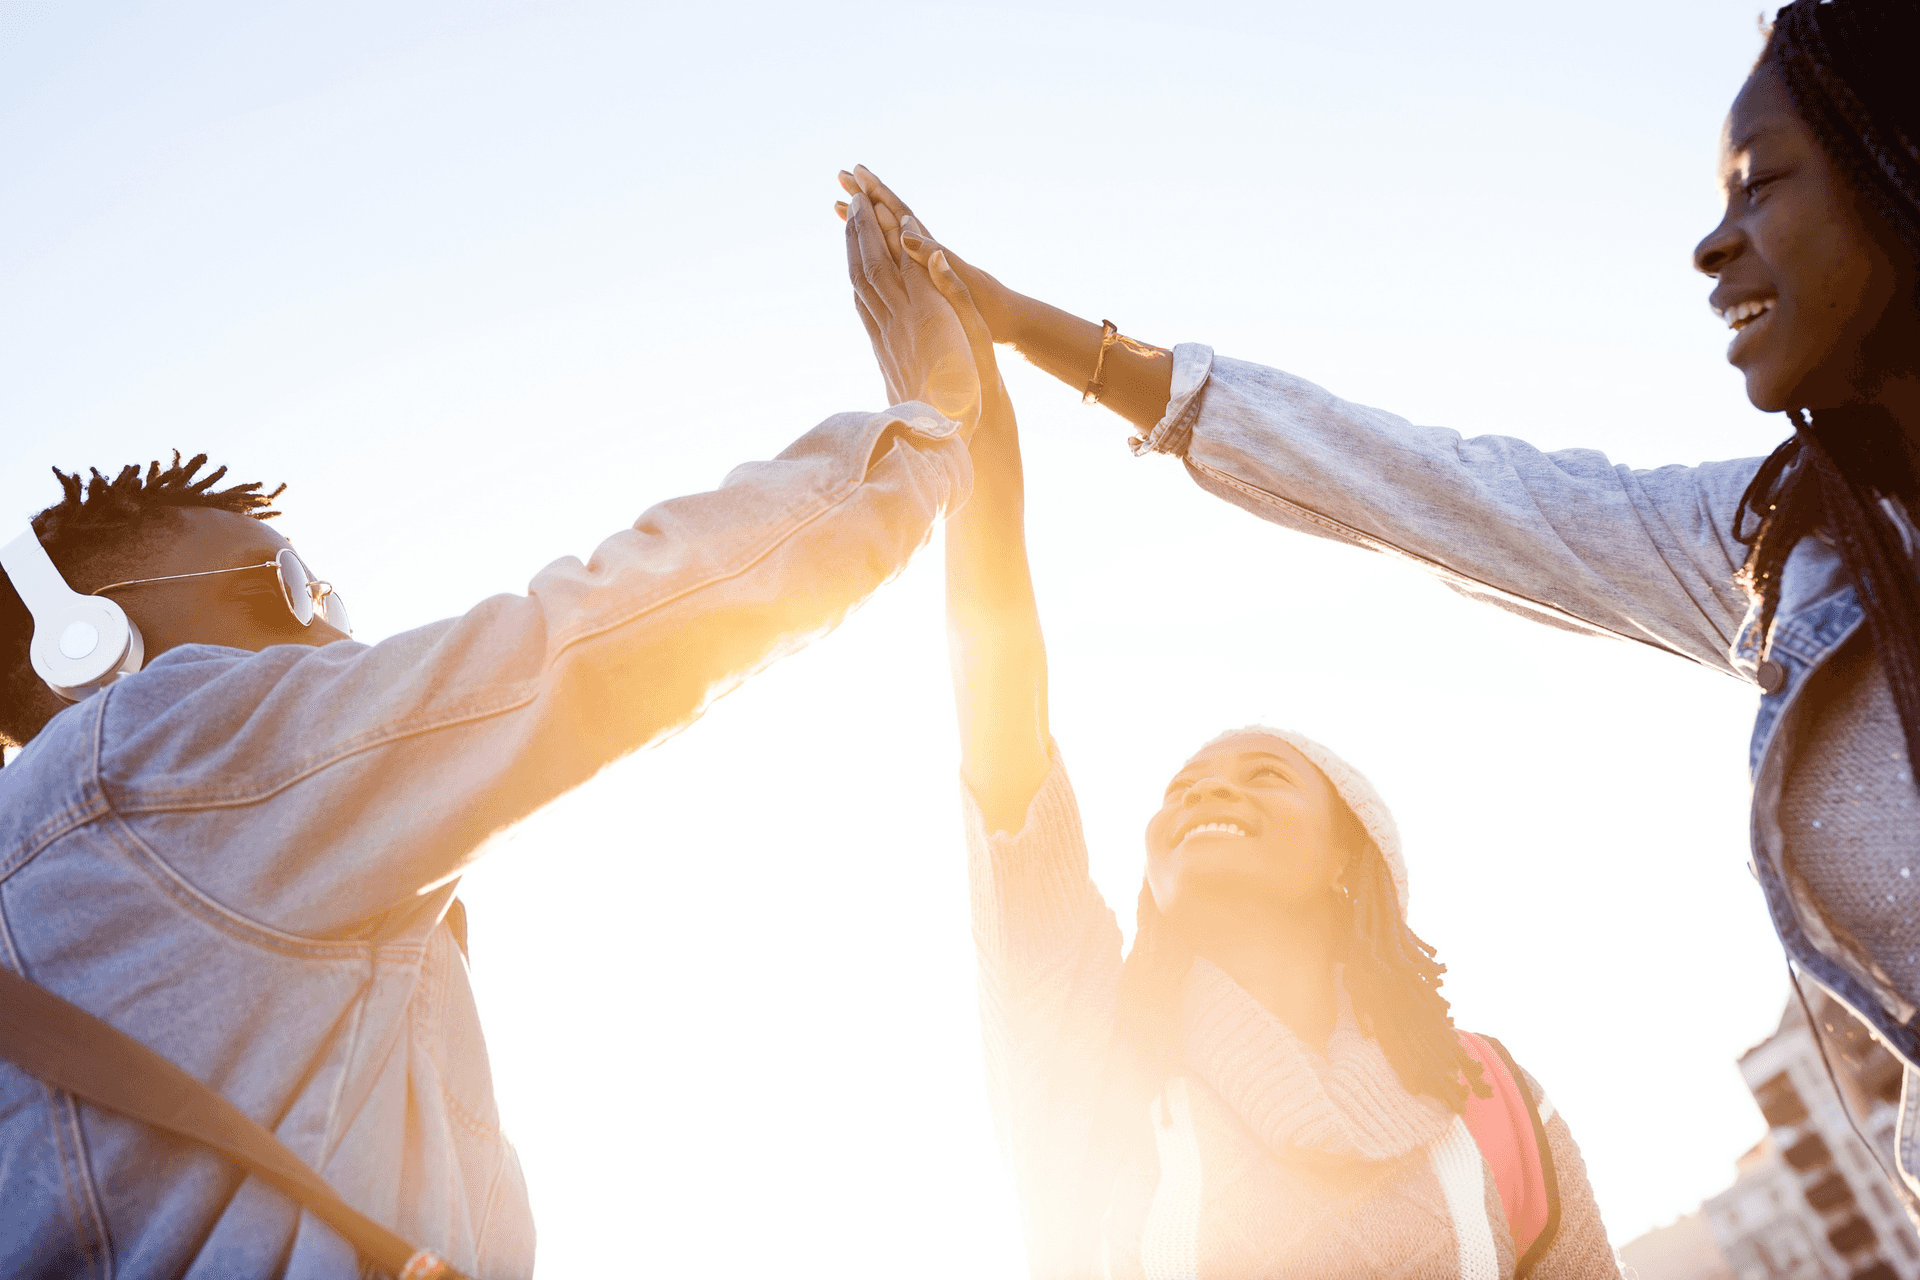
point(879, 192)
point(889, 227)
point(872, 327)
point(960, 298)
point(875, 276)
point(915, 242)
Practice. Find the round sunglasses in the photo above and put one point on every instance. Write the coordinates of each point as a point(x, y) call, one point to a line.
point(305, 594)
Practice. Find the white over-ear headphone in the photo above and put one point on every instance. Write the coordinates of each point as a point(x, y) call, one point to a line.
point(81, 644)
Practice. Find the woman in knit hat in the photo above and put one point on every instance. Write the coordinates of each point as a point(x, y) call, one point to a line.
point(1270, 1085)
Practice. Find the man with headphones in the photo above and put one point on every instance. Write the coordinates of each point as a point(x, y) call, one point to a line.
point(233, 833)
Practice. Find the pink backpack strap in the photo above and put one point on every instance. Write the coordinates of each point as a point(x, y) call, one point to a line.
point(1508, 1131)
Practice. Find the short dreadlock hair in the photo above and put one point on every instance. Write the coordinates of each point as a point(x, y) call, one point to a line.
point(96, 519)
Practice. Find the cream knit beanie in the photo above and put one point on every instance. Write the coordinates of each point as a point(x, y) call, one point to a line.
point(1352, 787)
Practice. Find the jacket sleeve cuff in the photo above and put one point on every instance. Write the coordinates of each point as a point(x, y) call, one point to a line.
point(1192, 363)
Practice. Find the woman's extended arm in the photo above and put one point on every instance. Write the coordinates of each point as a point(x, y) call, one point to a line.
point(1049, 948)
point(993, 625)
point(1137, 385)
point(1568, 538)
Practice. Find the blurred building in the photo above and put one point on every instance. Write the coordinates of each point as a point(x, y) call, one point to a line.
point(1682, 1250)
point(1808, 1200)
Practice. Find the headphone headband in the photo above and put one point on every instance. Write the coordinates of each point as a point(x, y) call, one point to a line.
point(81, 644)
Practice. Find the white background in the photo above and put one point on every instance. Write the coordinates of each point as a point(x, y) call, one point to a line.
point(482, 281)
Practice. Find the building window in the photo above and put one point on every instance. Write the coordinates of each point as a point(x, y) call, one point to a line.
point(1880, 1197)
point(1851, 1236)
point(1809, 1153)
point(1830, 1192)
point(1779, 1101)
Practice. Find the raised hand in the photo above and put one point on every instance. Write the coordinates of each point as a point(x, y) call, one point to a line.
point(903, 228)
point(1134, 379)
point(920, 344)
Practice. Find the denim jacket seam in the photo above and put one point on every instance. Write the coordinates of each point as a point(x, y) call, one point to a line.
point(90, 806)
point(67, 821)
point(1813, 638)
point(474, 1124)
point(332, 1133)
point(1360, 538)
point(1908, 1155)
point(488, 1206)
point(1174, 431)
point(68, 1110)
point(76, 1171)
point(520, 695)
point(241, 927)
point(1671, 551)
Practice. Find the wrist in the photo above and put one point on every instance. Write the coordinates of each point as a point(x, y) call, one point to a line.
point(1012, 317)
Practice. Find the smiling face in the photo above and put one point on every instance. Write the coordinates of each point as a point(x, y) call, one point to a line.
point(1248, 821)
point(1816, 286)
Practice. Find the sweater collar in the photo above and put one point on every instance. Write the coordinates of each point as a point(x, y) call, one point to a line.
point(1347, 1102)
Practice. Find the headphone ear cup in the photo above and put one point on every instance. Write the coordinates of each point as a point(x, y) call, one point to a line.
point(80, 643)
point(136, 655)
point(83, 644)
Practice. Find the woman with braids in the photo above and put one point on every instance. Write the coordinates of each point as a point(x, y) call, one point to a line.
point(1271, 1084)
point(1796, 572)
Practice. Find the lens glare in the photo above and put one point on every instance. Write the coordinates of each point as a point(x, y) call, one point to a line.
point(294, 581)
point(336, 611)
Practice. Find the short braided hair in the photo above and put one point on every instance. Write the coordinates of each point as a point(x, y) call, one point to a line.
point(95, 517)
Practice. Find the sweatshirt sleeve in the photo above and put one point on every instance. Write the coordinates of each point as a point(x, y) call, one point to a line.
point(1049, 953)
point(1580, 1250)
point(1567, 538)
point(325, 791)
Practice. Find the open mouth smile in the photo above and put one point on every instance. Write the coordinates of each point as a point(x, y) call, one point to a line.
point(1741, 314)
point(1747, 320)
point(1211, 829)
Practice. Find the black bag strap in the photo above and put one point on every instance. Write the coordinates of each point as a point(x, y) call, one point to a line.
point(71, 1049)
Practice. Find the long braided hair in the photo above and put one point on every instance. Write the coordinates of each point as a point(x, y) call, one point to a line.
point(1847, 68)
point(1392, 975)
point(96, 516)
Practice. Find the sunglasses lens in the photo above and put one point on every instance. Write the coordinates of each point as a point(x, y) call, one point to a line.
point(336, 611)
point(294, 581)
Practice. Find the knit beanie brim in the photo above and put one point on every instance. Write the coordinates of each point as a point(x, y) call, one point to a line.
point(1353, 789)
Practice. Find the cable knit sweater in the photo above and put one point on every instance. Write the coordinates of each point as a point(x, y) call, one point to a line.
point(1268, 1158)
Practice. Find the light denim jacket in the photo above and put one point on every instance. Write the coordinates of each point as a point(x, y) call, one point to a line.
point(243, 860)
point(1570, 539)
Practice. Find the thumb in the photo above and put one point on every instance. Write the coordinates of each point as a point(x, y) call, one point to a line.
point(915, 240)
point(960, 298)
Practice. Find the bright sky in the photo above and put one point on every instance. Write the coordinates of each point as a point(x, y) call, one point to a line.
point(482, 281)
